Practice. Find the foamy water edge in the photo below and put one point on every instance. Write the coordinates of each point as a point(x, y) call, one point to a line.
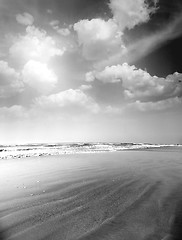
point(37, 150)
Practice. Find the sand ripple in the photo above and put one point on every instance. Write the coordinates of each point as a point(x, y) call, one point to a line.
point(127, 195)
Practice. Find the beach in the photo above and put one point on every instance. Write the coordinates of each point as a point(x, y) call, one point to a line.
point(128, 195)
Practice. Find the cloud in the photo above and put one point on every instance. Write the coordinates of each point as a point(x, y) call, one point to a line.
point(62, 31)
point(85, 87)
point(35, 45)
point(113, 110)
point(49, 11)
point(138, 85)
point(111, 50)
point(25, 18)
point(141, 47)
point(98, 38)
point(38, 76)
point(68, 101)
point(10, 83)
point(108, 75)
point(54, 23)
point(154, 106)
point(90, 76)
point(71, 102)
point(133, 107)
point(13, 112)
point(102, 40)
point(131, 13)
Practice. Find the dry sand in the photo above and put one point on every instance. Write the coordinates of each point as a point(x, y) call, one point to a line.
point(125, 195)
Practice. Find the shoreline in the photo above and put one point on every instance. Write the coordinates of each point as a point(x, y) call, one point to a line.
point(25, 151)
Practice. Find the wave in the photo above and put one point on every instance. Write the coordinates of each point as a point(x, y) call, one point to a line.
point(34, 150)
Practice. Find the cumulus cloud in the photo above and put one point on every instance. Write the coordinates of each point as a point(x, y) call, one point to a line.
point(108, 75)
point(138, 85)
point(25, 18)
point(116, 50)
point(102, 40)
point(62, 31)
point(35, 45)
point(98, 38)
point(154, 106)
point(38, 76)
point(131, 13)
point(10, 83)
point(70, 101)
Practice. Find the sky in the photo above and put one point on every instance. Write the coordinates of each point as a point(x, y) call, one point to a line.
point(90, 71)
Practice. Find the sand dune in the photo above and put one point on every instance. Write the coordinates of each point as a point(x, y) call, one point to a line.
point(122, 195)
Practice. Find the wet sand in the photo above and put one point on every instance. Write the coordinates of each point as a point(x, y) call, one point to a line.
point(124, 195)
